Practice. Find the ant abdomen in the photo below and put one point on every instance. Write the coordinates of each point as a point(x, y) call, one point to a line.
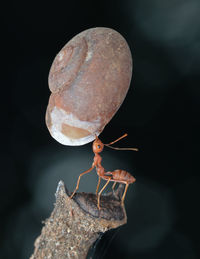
point(122, 175)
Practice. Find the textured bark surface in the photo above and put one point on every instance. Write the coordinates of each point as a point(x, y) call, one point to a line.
point(75, 224)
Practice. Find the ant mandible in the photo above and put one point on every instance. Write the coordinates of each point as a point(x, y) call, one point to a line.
point(117, 176)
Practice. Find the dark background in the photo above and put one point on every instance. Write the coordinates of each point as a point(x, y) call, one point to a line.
point(161, 115)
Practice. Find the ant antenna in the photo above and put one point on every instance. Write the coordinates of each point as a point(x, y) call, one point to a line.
point(125, 135)
point(119, 148)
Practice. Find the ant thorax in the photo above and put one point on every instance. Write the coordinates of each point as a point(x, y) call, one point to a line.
point(97, 160)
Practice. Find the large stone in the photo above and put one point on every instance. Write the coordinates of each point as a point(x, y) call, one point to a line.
point(89, 80)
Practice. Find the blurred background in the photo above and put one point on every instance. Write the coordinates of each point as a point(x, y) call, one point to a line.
point(161, 114)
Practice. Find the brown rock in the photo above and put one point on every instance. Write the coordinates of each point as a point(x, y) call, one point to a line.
point(89, 79)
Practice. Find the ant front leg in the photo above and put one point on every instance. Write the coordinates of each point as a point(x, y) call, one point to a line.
point(77, 185)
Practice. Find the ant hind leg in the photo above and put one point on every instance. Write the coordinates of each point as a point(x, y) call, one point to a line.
point(113, 187)
point(99, 194)
point(123, 197)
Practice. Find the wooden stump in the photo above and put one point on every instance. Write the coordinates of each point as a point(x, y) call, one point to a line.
point(75, 224)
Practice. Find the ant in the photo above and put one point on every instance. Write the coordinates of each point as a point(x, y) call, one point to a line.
point(117, 176)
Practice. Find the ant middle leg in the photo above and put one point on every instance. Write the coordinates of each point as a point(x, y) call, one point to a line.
point(97, 189)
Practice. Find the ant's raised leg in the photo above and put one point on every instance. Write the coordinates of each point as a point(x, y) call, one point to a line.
point(99, 194)
point(123, 197)
point(77, 185)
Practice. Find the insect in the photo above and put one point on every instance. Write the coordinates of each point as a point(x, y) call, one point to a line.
point(117, 176)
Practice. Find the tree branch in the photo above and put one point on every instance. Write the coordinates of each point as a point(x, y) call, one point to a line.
point(75, 224)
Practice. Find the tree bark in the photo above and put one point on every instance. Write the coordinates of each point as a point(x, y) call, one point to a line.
point(75, 224)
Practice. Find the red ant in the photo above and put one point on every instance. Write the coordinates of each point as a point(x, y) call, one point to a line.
point(117, 176)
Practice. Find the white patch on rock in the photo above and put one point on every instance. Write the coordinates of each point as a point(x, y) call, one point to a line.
point(89, 56)
point(60, 56)
point(60, 117)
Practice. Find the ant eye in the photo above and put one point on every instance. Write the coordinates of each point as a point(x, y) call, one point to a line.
point(99, 146)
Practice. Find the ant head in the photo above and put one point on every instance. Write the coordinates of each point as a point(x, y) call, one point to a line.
point(97, 145)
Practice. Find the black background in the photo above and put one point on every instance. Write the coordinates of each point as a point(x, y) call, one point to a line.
point(160, 114)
